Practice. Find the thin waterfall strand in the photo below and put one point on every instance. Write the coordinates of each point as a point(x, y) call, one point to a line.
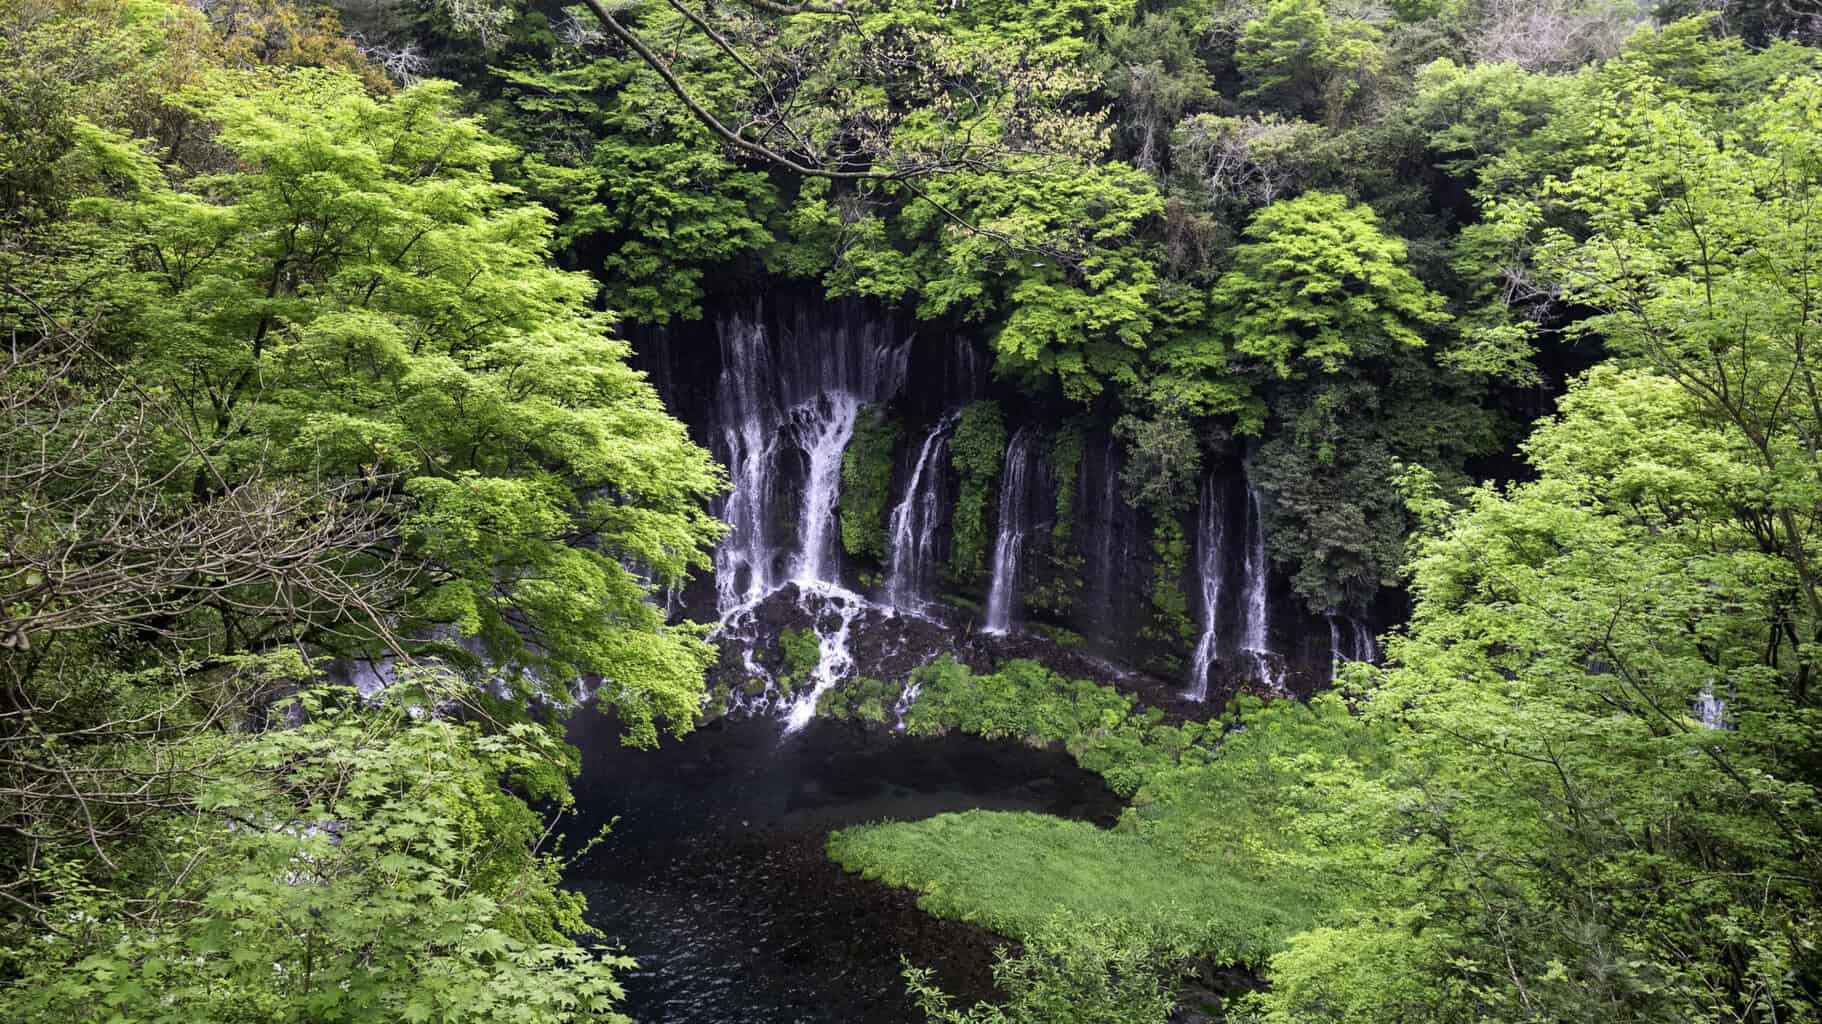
point(1211, 562)
point(1014, 514)
point(1256, 640)
point(912, 533)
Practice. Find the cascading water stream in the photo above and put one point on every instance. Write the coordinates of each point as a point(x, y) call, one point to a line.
point(1711, 710)
point(748, 416)
point(775, 402)
point(902, 706)
point(1109, 569)
point(1021, 453)
point(824, 425)
point(1256, 639)
point(1356, 645)
point(834, 660)
point(1211, 562)
point(912, 532)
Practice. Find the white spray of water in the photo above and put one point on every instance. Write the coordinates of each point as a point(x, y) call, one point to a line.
point(781, 403)
point(827, 603)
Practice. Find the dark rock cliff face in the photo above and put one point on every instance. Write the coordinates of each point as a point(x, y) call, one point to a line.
point(773, 384)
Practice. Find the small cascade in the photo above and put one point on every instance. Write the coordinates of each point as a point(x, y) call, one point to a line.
point(912, 533)
point(834, 611)
point(1365, 647)
point(1109, 569)
point(1350, 639)
point(1255, 640)
point(1711, 710)
point(1211, 563)
point(902, 706)
point(1015, 481)
point(966, 372)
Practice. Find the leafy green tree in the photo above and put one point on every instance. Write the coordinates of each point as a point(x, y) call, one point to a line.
point(635, 178)
point(1318, 283)
point(1604, 703)
point(364, 866)
point(1295, 55)
point(1099, 977)
point(360, 299)
point(1046, 254)
point(290, 380)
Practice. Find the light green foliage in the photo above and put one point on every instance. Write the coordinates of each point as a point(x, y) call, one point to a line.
point(1055, 270)
point(1473, 114)
point(1317, 284)
point(802, 652)
point(1288, 803)
point(1184, 865)
point(289, 376)
point(866, 482)
point(1586, 845)
point(1152, 891)
point(1015, 873)
point(865, 698)
point(977, 450)
point(1096, 974)
point(1295, 55)
point(1103, 729)
point(364, 866)
point(330, 307)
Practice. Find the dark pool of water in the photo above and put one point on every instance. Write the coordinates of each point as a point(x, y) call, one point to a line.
point(714, 877)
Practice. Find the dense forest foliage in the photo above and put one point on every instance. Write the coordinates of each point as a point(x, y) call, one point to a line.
point(326, 486)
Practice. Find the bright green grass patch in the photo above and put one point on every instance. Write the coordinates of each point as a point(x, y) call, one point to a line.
point(1019, 874)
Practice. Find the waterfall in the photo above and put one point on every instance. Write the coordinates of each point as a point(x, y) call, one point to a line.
point(1256, 639)
point(824, 425)
point(779, 397)
point(1014, 522)
point(1211, 562)
point(902, 706)
point(748, 417)
point(783, 402)
point(1365, 647)
point(1109, 571)
point(1357, 645)
point(1711, 710)
point(913, 529)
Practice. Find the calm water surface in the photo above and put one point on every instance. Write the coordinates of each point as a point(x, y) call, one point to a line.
point(714, 876)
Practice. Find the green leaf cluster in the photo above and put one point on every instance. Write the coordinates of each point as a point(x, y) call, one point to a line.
point(866, 482)
point(977, 452)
